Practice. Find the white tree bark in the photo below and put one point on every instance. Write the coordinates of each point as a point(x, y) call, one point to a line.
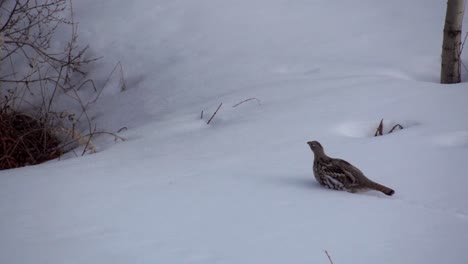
point(450, 72)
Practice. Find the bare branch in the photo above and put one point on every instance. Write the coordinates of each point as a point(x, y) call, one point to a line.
point(122, 129)
point(329, 258)
point(246, 100)
point(394, 127)
point(9, 17)
point(214, 113)
point(463, 43)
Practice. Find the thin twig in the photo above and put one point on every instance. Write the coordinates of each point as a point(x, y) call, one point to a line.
point(95, 133)
point(201, 115)
point(246, 100)
point(214, 113)
point(12, 13)
point(122, 129)
point(394, 127)
point(329, 258)
point(89, 143)
point(463, 44)
point(106, 81)
point(88, 81)
point(464, 66)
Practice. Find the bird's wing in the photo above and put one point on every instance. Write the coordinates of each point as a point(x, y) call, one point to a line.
point(336, 170)
point(351, 169)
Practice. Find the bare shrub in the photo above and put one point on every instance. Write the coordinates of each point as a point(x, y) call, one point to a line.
point(37, 68)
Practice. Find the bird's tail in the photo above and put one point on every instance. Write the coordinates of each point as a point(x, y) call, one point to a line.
point(381, 188)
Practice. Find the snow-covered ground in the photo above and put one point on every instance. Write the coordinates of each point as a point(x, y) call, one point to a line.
point(241, 189)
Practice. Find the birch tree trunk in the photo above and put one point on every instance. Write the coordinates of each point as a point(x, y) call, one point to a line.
point(450, 72)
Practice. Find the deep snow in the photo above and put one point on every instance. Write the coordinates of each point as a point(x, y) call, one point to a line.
point(241, 190)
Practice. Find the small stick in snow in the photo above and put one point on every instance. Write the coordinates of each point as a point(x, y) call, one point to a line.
point(329, 258)
point(379, 131)
point(246, 100)
point(394, 127)
point(214, 113)
point(122, 129)
point(201, 115)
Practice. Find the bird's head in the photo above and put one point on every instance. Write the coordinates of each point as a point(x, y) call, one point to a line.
point(315, 146)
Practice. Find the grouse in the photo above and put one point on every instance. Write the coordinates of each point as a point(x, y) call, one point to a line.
point(339, 174)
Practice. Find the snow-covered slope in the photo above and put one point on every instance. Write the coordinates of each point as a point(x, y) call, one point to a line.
point(241, 190)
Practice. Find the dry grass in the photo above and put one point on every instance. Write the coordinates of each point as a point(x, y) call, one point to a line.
point(25, 140)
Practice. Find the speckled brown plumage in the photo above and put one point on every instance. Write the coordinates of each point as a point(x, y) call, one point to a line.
point(339, 174)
